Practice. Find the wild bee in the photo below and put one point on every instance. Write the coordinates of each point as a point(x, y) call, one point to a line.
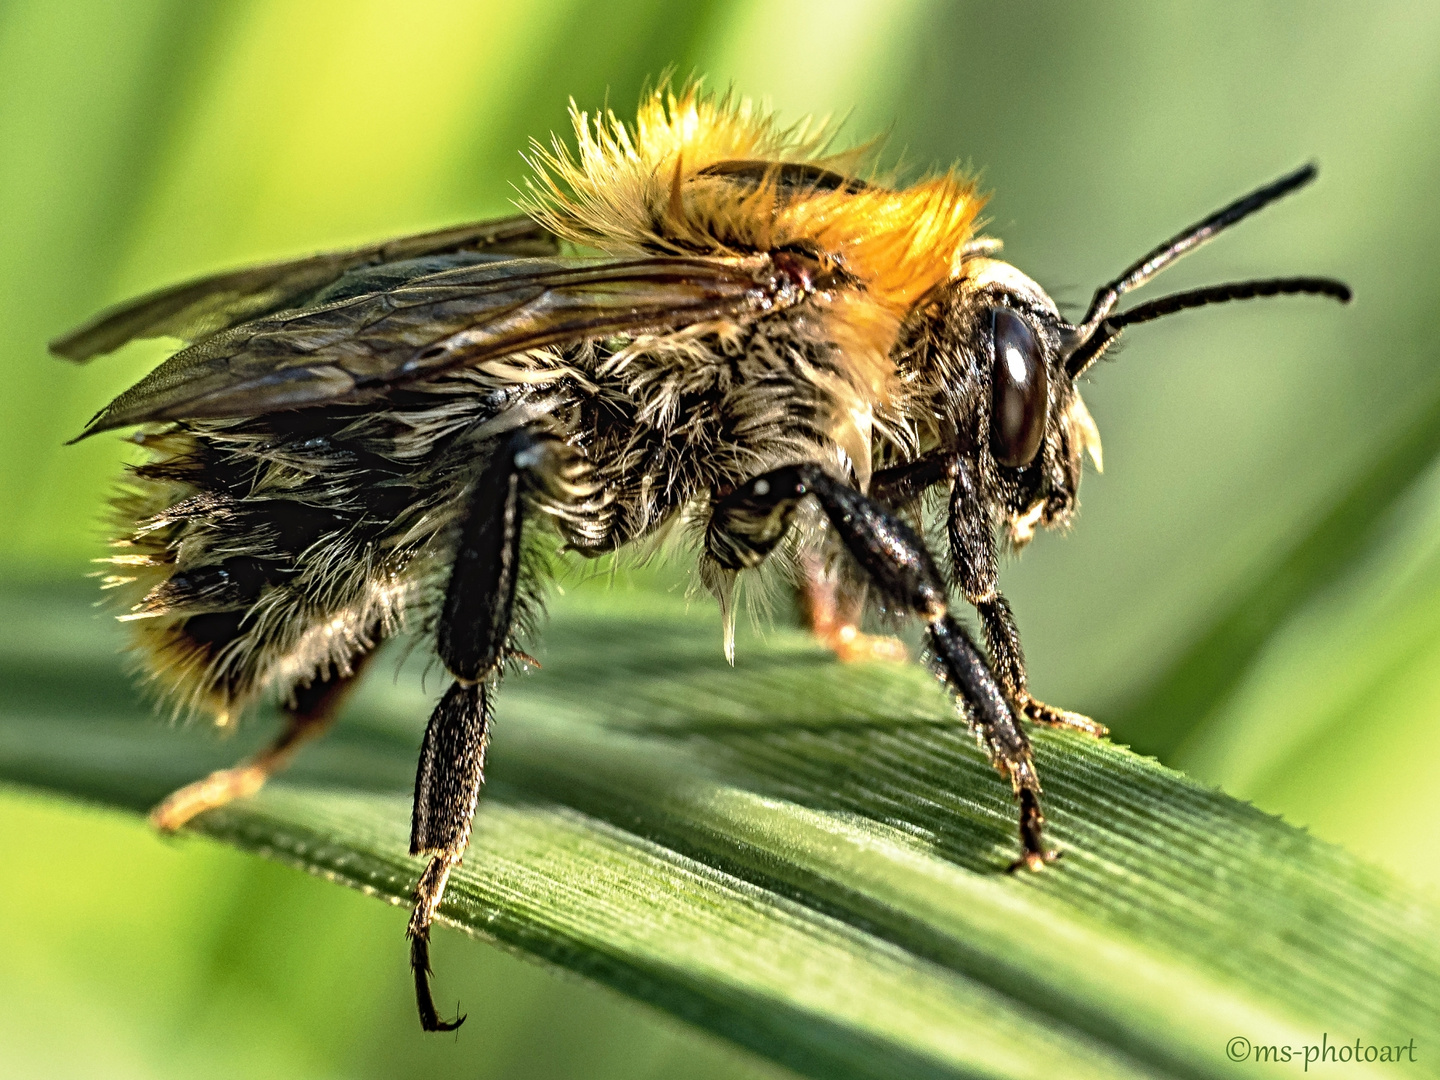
point(760, 342)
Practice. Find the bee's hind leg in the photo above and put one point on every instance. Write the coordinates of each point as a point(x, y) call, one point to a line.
point(447, 788)
point(310, 716)
point(473, 641)
point(899, 566)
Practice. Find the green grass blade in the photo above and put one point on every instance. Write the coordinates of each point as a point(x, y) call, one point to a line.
point(802, 857)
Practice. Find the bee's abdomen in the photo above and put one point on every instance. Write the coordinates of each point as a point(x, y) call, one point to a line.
point(258, 561)
point(225, 586)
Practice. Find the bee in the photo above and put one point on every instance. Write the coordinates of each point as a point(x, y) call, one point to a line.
point(701, 317)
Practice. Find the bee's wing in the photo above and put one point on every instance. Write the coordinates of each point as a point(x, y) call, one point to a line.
point(197, 309)
point(355, 349)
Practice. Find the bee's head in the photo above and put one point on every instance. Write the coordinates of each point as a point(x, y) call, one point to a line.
point(1003, 363)
point(994, 345)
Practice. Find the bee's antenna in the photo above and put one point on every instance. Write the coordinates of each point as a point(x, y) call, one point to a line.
point(1093, 334)
point(1109, 329)
point(1234, 290)
point(1183, 243)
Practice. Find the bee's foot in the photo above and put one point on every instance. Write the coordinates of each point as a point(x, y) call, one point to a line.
point(215, 790)
point(1040, 713)
point(424, 998)
point(851, 645)
point(523, 659)
point(1033, 860)
point(1034, 852)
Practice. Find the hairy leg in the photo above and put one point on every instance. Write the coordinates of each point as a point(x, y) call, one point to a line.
point(899, 566)
point(832, 614)
point(473, 641)
point(447, 788)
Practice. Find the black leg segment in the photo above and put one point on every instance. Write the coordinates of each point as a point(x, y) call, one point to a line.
point(977, 576)
point(452, 769)
point(901, 569)
point(474, 641)
point(447, 787)
point(901, 484)
point(480, 599)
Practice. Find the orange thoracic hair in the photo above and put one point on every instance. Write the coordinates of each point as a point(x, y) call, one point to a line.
point(645, 188)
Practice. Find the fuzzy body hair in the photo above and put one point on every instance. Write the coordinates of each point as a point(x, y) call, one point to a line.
point(259, 554)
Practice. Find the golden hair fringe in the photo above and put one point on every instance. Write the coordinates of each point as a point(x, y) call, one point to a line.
point(627, 189)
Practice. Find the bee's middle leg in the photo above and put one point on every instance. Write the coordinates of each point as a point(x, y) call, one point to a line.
point(308, 717)
point(977, 574)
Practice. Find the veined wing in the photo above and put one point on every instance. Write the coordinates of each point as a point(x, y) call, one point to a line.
point(355, 349)
point(196, 309)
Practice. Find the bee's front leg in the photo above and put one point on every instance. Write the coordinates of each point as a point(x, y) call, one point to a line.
point(899, 566)
point(977, 575)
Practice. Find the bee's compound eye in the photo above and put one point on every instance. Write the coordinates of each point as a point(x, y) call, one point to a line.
point(1020, 390)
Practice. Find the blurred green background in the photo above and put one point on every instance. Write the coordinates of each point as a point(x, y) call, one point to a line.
point(1253, 589)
